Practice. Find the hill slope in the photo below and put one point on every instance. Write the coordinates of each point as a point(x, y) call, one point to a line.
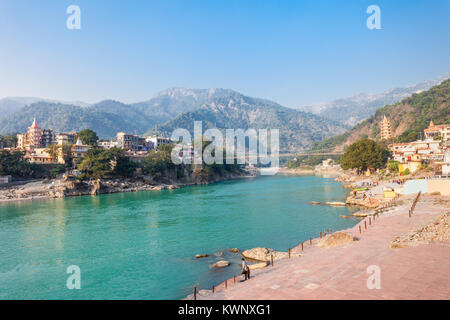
point(178, 108)
point(63, 118)
point(359, 107)
point(408, 118)
point(298, 130)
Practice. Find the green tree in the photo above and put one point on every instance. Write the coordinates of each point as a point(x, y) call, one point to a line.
point(158, 161)
point(363, 154)
point(96, 163)
point(393, 165)
point(8, 141)
point(123, 166)
point(88, 137)
point(53, 150)
point(13, 163)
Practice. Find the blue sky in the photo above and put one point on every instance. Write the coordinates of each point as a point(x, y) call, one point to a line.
point(292, 52)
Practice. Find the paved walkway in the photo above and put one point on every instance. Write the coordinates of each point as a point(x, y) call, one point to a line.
point(421, 272)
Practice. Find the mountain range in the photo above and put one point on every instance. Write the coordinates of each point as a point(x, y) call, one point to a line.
point(352, 110)
point(179, 107)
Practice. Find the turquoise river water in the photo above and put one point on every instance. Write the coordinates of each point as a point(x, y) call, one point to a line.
point(142, 245)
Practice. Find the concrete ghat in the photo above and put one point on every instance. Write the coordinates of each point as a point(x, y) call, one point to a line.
point(419, 272)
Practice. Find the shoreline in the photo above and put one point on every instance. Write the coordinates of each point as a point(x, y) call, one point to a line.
point(45, 189)
point(261, 266)
point(384, 210)
point(339, 272)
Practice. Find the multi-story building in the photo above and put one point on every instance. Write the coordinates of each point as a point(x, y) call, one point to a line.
point(158, 141)
point(133, 142)
point(41, 156)
point(386, 132)
point(107, 144)
point(48, 137)
point(21, 141)
point(427, 149)
point(127, 141)
point(35, 138)
point(441, 130)
point(79, 149)
point(66, 138)
point(136, 156)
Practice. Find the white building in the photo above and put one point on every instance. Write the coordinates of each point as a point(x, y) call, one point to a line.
point(158, 141)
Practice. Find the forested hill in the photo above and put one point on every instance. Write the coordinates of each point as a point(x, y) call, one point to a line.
point(408, 119)
point(298, 130)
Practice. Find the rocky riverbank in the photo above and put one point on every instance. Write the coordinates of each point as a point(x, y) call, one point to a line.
point(69, 187)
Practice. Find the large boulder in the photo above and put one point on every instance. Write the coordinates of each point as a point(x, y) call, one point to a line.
point(336, 239)
point(221, 264)
point(264, 254)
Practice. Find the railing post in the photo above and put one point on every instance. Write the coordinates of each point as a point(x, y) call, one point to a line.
point(365, 225)
point(359, 229)
point(213, 289)
point(289, 253)
point(271, 259)
point(302, 246)
point(226, 284)
point(234, 278)
point(195, 293)
point(310, 241)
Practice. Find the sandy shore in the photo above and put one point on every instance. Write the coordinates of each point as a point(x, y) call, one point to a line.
point(418, 269)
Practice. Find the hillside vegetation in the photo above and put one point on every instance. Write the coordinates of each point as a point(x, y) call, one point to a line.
point(408, 119)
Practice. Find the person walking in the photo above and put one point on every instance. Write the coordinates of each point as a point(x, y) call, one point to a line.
point(245, 269)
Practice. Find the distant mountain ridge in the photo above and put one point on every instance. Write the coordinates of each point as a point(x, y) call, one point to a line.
point(178, 108)
point(352, 110)
point(298, 130)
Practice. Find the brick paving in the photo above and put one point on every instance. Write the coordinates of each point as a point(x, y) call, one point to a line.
point(420, 272)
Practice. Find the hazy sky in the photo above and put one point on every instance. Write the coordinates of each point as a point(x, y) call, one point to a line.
point(293, 52)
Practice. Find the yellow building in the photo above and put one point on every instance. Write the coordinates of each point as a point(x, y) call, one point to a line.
point(412, 164)
point(386, 132)
point(79, 149)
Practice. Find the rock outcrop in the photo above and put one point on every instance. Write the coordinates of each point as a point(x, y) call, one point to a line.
point(335, 239)
point(264, 254)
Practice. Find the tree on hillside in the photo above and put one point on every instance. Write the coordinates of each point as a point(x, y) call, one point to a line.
point(88, 137)
point(7, 141)
point(98, 163)
point(364, 154)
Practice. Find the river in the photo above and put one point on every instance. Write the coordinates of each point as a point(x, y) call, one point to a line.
point(142, 245)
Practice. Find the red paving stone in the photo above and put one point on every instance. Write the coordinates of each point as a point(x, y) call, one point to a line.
point(421, 272)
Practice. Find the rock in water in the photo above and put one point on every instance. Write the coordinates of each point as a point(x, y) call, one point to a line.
point(264, 254)
point(198, 256)
point(234, 250)
point(335, 203)
point(336, 239)
point(221, 264)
